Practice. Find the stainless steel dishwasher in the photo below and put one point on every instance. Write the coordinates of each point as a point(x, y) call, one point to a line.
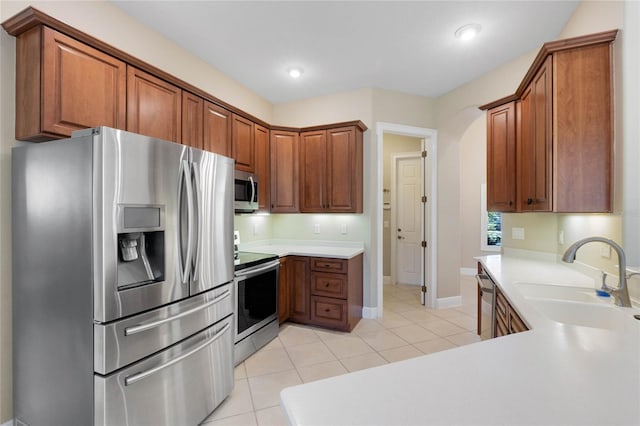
point(486, 305)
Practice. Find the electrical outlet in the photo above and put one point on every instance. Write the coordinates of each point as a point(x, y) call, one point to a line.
point(316, 228)
point(605, 251)
point(561, 237)
point(517, 233)
point(255, 229)
point(343, 228)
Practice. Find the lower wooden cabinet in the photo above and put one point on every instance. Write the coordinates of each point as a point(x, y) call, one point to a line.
point(284, 291)
point(326, 292)
point(507, 319)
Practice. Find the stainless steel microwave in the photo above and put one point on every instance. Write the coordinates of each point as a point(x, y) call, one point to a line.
point(246, 192)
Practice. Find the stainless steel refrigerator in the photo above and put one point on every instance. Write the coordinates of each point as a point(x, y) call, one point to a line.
point(122, 281)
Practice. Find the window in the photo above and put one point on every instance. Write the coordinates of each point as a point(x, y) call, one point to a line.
point(491, 225)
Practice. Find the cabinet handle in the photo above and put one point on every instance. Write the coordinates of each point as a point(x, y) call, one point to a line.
point(529, 201)
point(326, 285)
point(510, 203)
point(327, 310)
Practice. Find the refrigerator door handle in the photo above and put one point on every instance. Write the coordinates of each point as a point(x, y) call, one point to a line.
point(198, 219)
point(186, 176)
point(129, 380)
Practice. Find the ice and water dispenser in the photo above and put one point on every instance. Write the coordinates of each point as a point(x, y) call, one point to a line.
point(141, 249)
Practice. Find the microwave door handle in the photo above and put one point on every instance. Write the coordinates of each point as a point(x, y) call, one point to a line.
point(186, 171)
point(253, 190)
point(198, 219)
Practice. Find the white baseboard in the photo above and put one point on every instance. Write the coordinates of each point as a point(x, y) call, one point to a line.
point(9, 423)
point(448, 302)
point(367, 312)
point(386, 279)
point(468, 271)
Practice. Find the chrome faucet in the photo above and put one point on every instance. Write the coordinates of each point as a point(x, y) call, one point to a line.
point(621, 293)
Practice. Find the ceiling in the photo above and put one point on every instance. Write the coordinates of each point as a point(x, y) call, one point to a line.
point(346, 45)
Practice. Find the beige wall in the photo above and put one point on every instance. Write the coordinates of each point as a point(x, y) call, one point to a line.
point(473, 173)
point(392, 145)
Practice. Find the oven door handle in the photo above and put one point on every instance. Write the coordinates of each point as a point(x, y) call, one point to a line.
point(144, 327)
point(254, 271)
point(129, 380)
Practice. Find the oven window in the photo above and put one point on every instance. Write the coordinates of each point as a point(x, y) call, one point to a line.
point(257, 298)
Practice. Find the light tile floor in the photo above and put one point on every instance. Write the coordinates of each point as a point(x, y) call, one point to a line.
point(302, 354)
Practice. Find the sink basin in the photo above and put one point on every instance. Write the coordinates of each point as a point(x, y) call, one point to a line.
point(559, 292)
point(595, 315)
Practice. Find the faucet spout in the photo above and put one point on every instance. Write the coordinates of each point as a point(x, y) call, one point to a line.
point(621, 293)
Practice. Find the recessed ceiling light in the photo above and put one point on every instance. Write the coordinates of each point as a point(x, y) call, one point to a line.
point(295, 72)
point(467, 32)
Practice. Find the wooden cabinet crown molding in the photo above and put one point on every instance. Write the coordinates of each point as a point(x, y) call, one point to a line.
point(548, 49)
point(32, 17)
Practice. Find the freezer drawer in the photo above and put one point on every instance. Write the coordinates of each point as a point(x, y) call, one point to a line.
point(179, 386)
point(118, 344)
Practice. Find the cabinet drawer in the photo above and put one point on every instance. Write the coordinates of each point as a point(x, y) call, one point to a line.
point(516, 325)
point(330, 285)
point(329, 311)
point(323, 264)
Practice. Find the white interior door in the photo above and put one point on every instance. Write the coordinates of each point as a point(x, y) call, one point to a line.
point(409, 221)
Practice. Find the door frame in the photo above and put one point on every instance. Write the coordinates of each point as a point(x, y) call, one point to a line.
point(430, 137)
point(394, 209)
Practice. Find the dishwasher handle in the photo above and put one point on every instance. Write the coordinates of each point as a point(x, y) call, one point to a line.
point(485, 283)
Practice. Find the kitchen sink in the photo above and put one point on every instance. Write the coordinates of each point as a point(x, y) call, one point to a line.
point(560, 292)
point(595, 315)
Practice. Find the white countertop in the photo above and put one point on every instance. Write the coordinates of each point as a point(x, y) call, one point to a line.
point(553, 374)
point(333, 249)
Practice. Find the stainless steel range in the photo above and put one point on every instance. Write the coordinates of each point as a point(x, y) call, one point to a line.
point(122, 281)
point(256, 289)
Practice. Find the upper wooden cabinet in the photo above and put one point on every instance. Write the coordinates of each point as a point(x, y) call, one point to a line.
point(331, 170)
point(564, 131)
point(262, 166)
point(242, 143)
point(154, 107)
point(501, 158)
point(63, 85)
point(284, 172)
point(534, 153)
point(217, 129)
point(192, 111)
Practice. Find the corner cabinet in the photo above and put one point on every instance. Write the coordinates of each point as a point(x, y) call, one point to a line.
point(284, 171)
point(331, 170)
point(262, 165)
point(563, 132)
point(326, 292)
point(63, 85)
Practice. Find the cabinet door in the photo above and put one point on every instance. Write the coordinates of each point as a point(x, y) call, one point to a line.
point(154, 107)
point(63, 85)
point(313, 171)
point(192, 107)
point(242, 142)
point(534, 160)
point(284, 293)
point(299, 289)
point(217, 129)
point(344, 170)
point(583, 130)
point(262, 166)
point(284, 175)
point(501, 158)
